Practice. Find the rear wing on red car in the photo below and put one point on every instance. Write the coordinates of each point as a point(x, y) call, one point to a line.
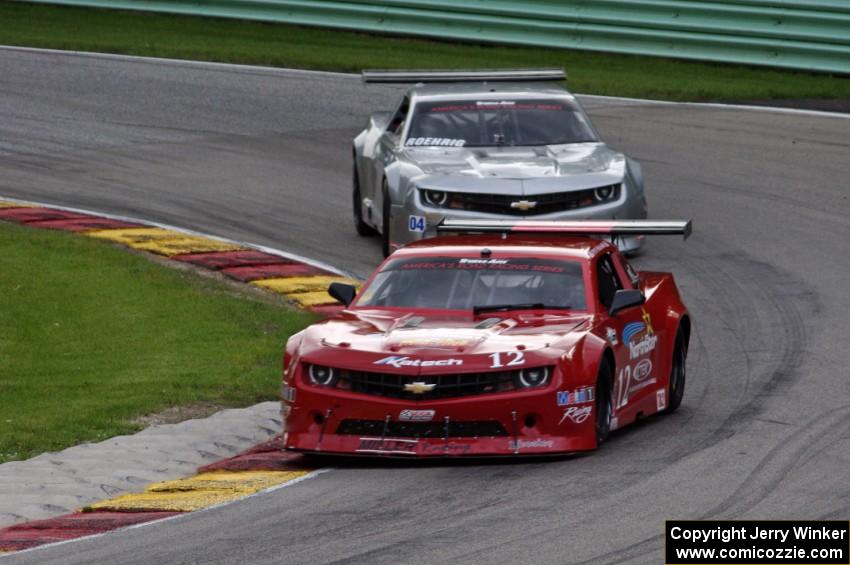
point(472, 75)
point(572, 227)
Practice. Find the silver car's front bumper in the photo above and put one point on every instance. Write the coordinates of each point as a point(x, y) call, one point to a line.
point(406, 224)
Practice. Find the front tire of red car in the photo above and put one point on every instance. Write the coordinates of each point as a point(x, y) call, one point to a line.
point(604, 406)
point(676, 387)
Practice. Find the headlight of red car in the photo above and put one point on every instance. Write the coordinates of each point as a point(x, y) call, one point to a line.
point(533, 377)
point(321, 375)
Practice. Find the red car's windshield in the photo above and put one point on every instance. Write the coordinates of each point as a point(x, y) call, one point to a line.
point(460, 283)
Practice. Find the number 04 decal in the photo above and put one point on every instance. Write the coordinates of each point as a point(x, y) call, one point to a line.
point(516, 358)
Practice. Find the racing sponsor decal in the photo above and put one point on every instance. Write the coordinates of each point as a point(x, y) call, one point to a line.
point(642, 370)
point(577, 414)
point(612, 336)
point(387, 445)
point(631, 379)
point(468, 264)
point(450, 448)
point(646, 343)
point(661, 399)
point(416, 224)
point(647, 319)
point(399, 362)
point(410, 415)
point(578, 396)
point(435, 142)
point(433, 342)
point(288, 393)
point(531, 443)
point(465, 261)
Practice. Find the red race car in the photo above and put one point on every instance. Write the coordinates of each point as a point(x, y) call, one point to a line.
point(509, 338)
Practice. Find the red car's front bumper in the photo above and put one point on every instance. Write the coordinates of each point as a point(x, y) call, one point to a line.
point(522, 423)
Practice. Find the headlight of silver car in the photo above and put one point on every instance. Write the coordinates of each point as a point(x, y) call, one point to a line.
point(605, 193)
point(436, 198)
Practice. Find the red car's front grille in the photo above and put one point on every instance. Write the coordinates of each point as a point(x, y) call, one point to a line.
point(379, 428)
point(445, 386)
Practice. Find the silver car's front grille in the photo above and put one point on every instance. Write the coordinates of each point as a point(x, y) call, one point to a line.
point(510, 205)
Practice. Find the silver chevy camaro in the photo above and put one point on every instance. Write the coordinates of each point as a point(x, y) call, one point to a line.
point(487, 145)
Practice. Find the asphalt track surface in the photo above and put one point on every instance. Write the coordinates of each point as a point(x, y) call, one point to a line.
point(264, 156)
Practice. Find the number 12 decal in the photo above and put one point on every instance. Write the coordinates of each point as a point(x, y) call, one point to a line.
point(624, 379)
point(516, 358)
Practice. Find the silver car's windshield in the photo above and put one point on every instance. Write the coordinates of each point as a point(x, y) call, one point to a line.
point(489, 123)
point(460, 283)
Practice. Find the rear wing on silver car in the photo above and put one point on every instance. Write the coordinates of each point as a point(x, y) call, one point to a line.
point(570, 227)
point(471, 75)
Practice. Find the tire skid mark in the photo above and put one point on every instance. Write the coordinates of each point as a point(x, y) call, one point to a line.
point(780, 461)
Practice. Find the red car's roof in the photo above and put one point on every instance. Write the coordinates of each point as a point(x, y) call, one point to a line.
point(520, 244)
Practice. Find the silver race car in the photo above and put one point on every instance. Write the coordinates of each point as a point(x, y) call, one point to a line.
point(487, 145)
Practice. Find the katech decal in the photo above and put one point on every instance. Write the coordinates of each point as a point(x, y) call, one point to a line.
point(402, 361)
point(387, 445)
point(410, 415)
point(577, 414)
point(531, 443)
point(612, 336)
point(578, 396)
point(435, 142)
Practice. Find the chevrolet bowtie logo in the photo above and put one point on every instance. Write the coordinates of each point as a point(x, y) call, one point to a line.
point(524, 205)
point(419, 388)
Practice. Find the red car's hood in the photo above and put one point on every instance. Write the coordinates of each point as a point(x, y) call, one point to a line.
point(403, 341)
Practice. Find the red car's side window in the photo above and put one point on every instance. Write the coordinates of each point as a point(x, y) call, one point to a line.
point(626, 271)
point(607, 280)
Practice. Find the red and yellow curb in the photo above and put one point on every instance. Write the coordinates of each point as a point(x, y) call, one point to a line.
point(263, 466)
point(302, 283)
point(259, 468)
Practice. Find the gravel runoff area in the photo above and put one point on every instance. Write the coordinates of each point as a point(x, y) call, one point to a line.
point(53, 484)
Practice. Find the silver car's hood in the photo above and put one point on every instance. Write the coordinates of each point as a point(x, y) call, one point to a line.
point(524, 170)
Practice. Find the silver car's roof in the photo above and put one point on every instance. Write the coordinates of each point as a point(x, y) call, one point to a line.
point(486, 91)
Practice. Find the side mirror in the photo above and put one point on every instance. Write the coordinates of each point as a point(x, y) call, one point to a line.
point(626, 299)
point(342, 293)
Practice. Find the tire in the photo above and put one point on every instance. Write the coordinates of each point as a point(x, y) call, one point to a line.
point(363, 229)
point(604, 407)
point(385, 219)
point(676, 386)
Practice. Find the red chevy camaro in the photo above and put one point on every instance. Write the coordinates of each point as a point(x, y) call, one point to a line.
point(508, 338)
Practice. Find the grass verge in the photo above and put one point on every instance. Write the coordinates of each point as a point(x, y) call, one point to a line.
point(212, 39)
point(92, 336)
